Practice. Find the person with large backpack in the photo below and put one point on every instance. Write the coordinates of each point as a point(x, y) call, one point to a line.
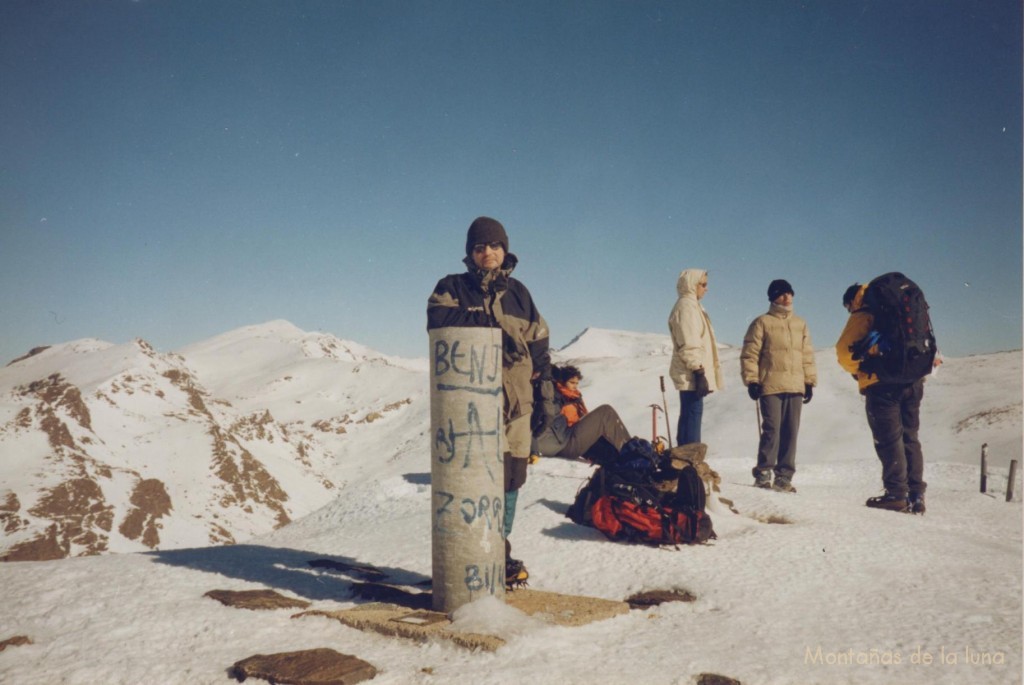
point(889, 347)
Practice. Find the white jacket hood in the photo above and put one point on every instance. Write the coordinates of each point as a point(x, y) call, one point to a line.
point(686, 286)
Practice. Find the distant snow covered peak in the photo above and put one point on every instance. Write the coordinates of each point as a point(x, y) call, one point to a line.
point(277, 330)
point(318, 345)
point(281, 339)
point(88, 363)
point(82, 346)
point(600, 343)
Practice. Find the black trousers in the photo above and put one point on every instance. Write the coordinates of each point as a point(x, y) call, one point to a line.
point(894, 415)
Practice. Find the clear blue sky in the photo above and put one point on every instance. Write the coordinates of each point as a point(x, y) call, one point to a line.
point(171, 170)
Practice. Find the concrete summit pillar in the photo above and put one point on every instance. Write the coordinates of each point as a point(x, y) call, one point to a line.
point(467, 471)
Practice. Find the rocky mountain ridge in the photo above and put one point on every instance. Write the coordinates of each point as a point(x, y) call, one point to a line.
point(120, 448)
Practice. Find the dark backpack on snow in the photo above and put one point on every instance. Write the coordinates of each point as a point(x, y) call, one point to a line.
point(622, 500)
point(902, 332)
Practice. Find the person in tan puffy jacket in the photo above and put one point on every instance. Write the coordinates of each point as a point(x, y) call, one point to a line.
point(694, 370)
point(777, 366)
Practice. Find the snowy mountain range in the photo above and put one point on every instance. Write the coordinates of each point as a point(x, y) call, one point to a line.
point(120, 448)
point(311, 455)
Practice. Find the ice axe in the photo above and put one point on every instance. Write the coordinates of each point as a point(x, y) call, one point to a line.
point(654, 423)
point(664, 400)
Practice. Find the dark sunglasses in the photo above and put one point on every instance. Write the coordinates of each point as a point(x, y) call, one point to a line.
point(480, 247)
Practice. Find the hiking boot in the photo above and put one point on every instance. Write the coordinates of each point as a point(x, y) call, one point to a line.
point(515, 574)
point(916, 503)
point(782, 485)
point(889, 501)
point(515, 571)
point(764, 482)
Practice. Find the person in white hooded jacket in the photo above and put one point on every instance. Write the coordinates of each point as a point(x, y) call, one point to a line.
point(695, 370)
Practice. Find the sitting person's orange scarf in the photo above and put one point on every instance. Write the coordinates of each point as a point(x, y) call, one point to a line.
point(573, 408)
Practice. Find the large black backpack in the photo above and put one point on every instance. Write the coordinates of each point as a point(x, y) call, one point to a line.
point(626, 500)
point(902, 333)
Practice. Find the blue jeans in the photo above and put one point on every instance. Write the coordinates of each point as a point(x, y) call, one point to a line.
point(691, 410)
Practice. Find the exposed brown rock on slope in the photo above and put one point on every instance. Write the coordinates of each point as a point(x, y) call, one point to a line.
point(150, 503)
point(10, 521)
point(247, 480)
point(80, 515)
point(31, 353)
point(57, 393)
point(81, 518)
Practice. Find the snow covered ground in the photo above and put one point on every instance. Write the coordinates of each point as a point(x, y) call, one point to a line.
point(805, 588)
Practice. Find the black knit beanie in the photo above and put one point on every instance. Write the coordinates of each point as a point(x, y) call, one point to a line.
point(484, 230)
point(779, 287)
point(850, 294)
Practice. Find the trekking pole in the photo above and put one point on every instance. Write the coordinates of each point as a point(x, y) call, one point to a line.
point(757, 406)
point(664, 400)
point(984, 467)
point(1012, 480)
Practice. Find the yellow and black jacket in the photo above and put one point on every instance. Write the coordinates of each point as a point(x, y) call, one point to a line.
point(859, 324)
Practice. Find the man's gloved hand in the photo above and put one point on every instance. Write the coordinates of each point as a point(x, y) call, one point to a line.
point(512, 351)
point(754, 390)
point(808, 392)
point(700, 383)
point(870, 365)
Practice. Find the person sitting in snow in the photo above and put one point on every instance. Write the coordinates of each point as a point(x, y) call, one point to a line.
point(566, 429)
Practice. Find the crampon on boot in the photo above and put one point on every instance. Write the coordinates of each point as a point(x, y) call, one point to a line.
point(515, 571)
point(516, 574)
point(890, 501)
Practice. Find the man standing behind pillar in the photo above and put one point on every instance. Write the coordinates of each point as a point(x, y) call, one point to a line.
point(486, 295)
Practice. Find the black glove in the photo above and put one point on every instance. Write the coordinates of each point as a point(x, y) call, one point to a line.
point(700, 383)
point(754, 390)
point(870, 365)
point(808, 392)
point(511, 351)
